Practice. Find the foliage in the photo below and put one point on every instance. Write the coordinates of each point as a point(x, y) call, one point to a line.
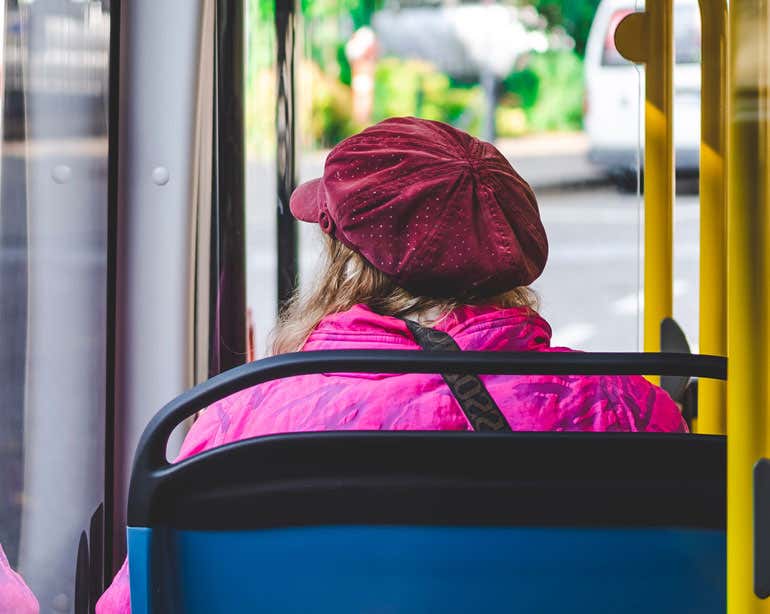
point(260, 113)
point(346, 76)
point(328, 119)
point(575, 16)
point(550, 90)
point(359, 11)
point(322, 72)
point(413, 87)
point(543, 93)
point(510, 121)
point(323, 110)
point(325, 25)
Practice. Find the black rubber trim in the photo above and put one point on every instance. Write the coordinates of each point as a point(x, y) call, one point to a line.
point(82, 575)
point(285, 19)
point(96, 556)
point(762, 528)
point(114, 539)
point(441, 478)
point(227, 276)
point(153, 478)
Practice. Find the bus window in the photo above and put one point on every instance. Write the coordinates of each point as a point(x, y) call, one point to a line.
point(261, 204)
point(556, 98)
point(53, 231)
point(511, 75)
point(687, 33)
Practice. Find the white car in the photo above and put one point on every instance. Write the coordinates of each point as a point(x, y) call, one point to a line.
point(614, 120)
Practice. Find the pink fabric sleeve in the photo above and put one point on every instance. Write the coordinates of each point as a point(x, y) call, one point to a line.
point(15, 595)
point(666, 417)
point(117, 598)
point(202, 436)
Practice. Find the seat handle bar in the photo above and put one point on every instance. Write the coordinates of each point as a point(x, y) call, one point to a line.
point(151, 451)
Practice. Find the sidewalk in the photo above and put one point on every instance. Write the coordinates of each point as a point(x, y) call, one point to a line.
point(554, 161)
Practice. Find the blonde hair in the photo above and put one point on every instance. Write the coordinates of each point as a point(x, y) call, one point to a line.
point(346, 279)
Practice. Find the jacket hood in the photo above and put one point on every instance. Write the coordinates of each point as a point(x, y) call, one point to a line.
point(473, 327)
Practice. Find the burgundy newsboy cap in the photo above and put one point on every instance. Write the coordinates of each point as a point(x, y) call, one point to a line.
point(440, 212)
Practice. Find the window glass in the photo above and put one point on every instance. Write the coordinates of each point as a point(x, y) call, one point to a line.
point(261, 171)
point(556, 98)
point(687, 33)
point(531, 80)
point(687, 115)
point(53, 228)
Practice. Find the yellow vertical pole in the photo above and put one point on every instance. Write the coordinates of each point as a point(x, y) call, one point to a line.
point(648, 38)
point(712, 394)
point(747, 289)
point(658, 171)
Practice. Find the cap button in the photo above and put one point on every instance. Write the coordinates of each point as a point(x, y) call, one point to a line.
point(325, 222)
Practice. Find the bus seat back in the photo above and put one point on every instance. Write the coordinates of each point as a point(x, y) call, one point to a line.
point(444, 522)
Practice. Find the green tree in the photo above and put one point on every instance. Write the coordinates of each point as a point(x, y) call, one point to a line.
point(575, 16)
point(359, 11)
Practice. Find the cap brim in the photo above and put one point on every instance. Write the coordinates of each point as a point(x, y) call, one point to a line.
point(305, 201)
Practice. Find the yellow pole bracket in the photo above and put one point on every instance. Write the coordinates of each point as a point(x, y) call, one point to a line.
point(631, 37)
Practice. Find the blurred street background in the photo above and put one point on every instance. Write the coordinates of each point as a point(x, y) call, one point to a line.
point(590, 289)
point(543, 81)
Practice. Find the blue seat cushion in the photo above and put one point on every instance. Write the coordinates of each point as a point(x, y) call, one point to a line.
point(411, 569)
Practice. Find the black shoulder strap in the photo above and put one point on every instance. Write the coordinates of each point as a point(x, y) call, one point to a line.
point(474, 398)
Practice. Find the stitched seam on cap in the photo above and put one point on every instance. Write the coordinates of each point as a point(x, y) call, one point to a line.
point(531, 227)
point(372, 141)
point(394, 184)
point(495, 212)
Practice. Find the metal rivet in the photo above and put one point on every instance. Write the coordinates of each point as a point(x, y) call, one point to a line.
point(61, 173)
point(61, 603)
point(160, 175)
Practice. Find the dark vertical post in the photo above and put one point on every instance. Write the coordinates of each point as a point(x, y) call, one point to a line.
point(114, 541)
point(286, 147)
point(491, 86)
point(228, 243)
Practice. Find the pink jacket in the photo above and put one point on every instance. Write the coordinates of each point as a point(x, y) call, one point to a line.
point(15, 595)
point(423, 402)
